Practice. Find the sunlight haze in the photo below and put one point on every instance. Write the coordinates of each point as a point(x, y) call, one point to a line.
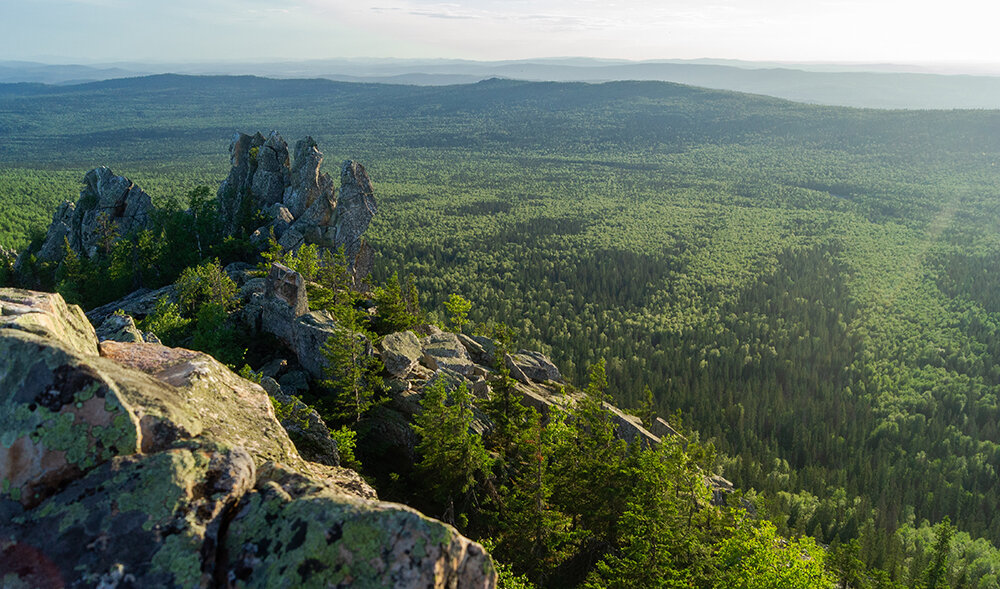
point(897, 31)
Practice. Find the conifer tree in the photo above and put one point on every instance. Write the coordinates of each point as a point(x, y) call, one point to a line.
point(452, 458)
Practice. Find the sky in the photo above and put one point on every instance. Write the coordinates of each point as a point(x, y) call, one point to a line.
point(879, 31)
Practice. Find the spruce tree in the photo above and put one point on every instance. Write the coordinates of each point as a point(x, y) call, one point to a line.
point(452, 458)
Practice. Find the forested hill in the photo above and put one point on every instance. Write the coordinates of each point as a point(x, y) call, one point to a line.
point(493, 114)
point(814, 288)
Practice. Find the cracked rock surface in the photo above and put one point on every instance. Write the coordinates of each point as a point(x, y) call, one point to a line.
point(135, 464)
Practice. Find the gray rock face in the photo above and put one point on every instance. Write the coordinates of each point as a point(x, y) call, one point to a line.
point(108, 206)
point(301, 201)
point(283, 311)
point(355, 207)
point(304, 425)
point(400, 352)
point(446, 351)
point(119, 328)
point(308, 184)
point(536, 366)
point(289, 287)
point(663, 429)
point(271, 176)
point(234, 194)
point(136, 304)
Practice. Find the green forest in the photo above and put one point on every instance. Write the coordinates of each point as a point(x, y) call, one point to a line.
point(810, 288)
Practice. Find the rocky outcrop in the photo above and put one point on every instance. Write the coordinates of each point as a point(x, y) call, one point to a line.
point(534, 366)
point(279, 306)
point(301, 202)
point(146, 465)
point(139, 303)
point(120, 328)
point(444, 350)
point(305, 427)
point(400, 352)
point(109, 206)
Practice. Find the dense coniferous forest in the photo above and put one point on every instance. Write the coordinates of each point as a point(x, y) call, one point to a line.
point(811, 288)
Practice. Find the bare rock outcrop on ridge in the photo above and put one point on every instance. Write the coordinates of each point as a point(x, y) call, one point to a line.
point(301, 202)
point(146, 465)
point(108, 206)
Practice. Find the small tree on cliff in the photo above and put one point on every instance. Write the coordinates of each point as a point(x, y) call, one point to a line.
point(351, 369)
point(452, 458)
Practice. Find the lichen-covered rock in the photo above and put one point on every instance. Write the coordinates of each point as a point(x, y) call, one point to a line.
point(61, 414)
point(108, 206)
point(221, 405)
point(120, 328)
point(444, 350)
point(336, 541)
point(127, 467)
point(47, 315)
point(400, 353)
point(304, 426)
point(153, 520)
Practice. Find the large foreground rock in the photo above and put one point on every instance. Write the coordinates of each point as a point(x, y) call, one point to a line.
point(134, 464)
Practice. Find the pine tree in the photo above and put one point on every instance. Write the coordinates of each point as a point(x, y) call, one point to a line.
point(452, 458)
point(650, 537)
point(351, 368)
point(534, 535)
point(458, 311)
point(936, 575)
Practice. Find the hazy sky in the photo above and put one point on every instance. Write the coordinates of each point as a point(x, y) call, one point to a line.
point(788, 30)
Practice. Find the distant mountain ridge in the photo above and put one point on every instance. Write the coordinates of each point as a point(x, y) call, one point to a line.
point(855, 85)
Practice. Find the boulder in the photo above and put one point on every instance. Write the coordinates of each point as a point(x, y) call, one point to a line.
point(480, 349)
point(629, 427)
point(139, 303)
point(515, 371)
point(287, 286)
point(663, 429)
point(444, 350)
point(535, 366)
point(304, 426)
point(337, 541)
point(48, 316)
point(309, 333)
point(147, 521)
point(109, 206)
point(155, 466)
point(400, 353)
point(120, 328)
point(283, 311)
